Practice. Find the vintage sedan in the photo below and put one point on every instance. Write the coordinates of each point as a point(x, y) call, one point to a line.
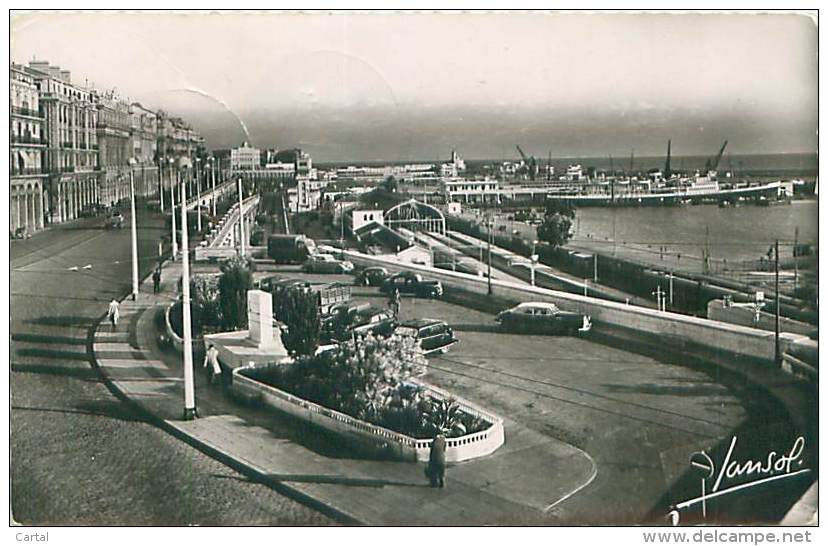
point(431, 335)
point(542, 318)
point(345, 323)
point(372, 276)
point(413, 284)
point(326, 263)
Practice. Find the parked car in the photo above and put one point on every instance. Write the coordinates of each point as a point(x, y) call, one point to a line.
point(431, 335)
point(414, 284)
point(372, 276)
point(326, 263)
point(346, 322)
point(542, 318)
point(114, 220)
point(462, 266)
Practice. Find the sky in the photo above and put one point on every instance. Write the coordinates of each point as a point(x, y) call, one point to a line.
point(387, 86)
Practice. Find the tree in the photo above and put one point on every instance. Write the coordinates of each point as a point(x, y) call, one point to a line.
point(236, 279)
point(557, 224)
point(298, 309)
point(390, 184)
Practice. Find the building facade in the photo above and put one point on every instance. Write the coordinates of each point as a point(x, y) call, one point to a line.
point(26, 150)
point(70, 157)
point(245, 158)
point(72, 148)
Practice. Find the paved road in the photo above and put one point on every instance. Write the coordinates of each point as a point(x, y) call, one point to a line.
point(78, 455)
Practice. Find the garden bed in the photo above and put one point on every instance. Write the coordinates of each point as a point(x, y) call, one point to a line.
point(248, 384)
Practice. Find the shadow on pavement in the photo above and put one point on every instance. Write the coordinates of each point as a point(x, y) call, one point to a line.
point(42, 338)
point(109, 409)
point(708, 389)
point(86, 373)
point(330, 479)
point(63, 320)
point(54, 354)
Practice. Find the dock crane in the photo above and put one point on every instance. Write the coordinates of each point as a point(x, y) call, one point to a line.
point(531, 163)
point(713, 165)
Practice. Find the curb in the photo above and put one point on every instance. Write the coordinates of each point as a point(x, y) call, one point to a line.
point(240, 465)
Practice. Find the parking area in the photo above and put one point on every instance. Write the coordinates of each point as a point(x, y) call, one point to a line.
point(637, 418)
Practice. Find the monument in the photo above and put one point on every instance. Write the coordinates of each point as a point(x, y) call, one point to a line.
point(258, 344)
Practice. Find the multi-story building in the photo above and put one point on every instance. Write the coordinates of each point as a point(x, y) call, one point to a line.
point(70, 160)
point(115, 148)
point(26, 147)
point(144, 137)
point(245, 158)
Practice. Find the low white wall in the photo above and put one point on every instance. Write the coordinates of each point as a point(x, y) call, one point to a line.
point(375, 437)
point(176, 341)
point(669, 326)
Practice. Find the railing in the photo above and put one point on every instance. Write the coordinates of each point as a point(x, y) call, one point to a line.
point(26, 171)
point(68, 169)
point(25, 112)
point(66, 145)
point(23, 139)
point(458, 449)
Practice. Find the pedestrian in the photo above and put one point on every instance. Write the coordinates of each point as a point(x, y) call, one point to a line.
point(156, 280)
point(211, 364)
point(113, 313)
point(436, 469)
point(395, 302)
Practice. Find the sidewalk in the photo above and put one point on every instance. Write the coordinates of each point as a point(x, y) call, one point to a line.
point(518, 484)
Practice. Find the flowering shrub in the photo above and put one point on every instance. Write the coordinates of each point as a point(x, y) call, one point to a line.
point(369, 379)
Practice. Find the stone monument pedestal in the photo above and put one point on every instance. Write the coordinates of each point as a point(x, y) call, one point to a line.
point(259, 344)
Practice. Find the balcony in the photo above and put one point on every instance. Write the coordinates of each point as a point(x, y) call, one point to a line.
point(66, 145)
point(26, 172)
point(68, 169)
point(26, 139)
point(25, 112)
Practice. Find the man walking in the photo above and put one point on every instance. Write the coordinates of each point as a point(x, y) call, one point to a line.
point(395, 302)
point(156, 279)
point(437, 461)
point(113, 313)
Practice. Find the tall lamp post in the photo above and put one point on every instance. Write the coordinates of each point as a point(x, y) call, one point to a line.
point(213, 179)
point(134, 229)
point(534, 259)
point(198, 191)
point(172, 208)
point(189, 384)
point(241, 219)
point(161, 182)
point(489, 224)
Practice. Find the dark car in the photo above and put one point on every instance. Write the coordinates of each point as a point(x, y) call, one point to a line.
point(346, 322)
point(431, 335)
point(413, 284)
point(542, 318)
point(372, 276)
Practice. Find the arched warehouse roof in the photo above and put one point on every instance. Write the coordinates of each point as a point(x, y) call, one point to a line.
point(416, 216)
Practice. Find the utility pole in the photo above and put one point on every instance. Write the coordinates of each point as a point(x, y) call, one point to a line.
point(190, 412)
point(706, 257)
point(134, 229)
point(534, 260)
point(172, 204)
point(241, 220)
point(778, 352)
point(342, 226)
point(671, 289)
point(658, 293)
point(595, 267)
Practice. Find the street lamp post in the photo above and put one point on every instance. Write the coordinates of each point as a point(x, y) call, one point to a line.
point(161, 182)
point(241, 220)
point(213, 178)
point(198, 200)
point(489, 225)
point(189, 384)
point(134, 229)
point(172, 208)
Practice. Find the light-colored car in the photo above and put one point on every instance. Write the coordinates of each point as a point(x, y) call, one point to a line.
point(326, 263)
point(114, 220)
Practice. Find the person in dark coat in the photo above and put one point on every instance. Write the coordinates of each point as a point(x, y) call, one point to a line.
point(156, 280)
point(437, 461)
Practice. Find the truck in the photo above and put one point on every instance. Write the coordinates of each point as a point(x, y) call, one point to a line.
point(290, 249)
